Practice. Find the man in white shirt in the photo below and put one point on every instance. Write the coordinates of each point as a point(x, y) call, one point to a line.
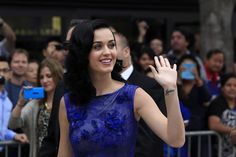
point(6, 108)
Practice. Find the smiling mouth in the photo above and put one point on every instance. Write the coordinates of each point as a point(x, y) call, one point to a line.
point(106, 61)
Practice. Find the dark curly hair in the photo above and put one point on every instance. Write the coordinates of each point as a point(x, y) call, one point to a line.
point(77, 78)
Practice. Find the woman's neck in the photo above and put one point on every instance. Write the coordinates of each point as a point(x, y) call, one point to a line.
point(231, 102)
point(50, 97)
point(103, 83)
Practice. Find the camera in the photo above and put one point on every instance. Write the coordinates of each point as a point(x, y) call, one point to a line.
point(33, 93)
point(187, 74)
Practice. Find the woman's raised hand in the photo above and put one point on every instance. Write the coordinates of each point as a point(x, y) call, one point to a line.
point(164, 74)
point(21, 101)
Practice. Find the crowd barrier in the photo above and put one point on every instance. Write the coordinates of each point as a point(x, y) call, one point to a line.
point(6, 144)
point(197, 135)
point(200, 138)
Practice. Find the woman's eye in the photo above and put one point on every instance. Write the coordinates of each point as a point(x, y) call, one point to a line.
point(97, 46)
point(49, 76)
point(111, 45)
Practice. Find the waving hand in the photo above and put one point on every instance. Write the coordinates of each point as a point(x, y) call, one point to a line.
point(164, 74)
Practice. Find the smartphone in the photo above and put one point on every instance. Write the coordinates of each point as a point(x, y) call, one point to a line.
point(187, 74)
point(33, 93)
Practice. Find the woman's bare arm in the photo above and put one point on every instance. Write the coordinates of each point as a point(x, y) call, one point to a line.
point(170, 129)
point(65, 149)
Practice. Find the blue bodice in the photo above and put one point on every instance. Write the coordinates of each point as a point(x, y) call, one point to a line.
point(106, 126)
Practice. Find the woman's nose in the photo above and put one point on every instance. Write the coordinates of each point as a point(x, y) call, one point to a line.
point(44, 79)
point(106, 51)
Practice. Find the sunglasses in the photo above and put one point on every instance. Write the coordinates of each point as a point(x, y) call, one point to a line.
point(59, 47)
point(66, 45)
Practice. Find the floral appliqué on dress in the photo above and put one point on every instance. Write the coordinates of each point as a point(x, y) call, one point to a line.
point(105, 127)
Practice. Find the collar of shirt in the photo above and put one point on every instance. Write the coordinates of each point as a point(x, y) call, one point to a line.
point(126, 74)
point(3, 94)
point(212, 76)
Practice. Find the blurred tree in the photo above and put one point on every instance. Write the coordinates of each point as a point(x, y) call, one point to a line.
point(216, 28)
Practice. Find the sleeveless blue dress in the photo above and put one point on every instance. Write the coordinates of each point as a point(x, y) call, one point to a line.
point(105, 127)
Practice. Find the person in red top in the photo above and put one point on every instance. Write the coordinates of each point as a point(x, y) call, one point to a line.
point(214, 64)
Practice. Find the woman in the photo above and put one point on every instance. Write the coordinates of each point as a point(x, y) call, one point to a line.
point(194, 96)
point(98, 116)
point(33, 116)
point(193, 93)
point(156, 45)
point(145, 58)
point(222, 114)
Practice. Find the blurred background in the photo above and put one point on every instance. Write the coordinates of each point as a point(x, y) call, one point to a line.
point(34, 21)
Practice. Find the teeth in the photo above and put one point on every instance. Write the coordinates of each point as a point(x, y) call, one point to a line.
point(106, 61)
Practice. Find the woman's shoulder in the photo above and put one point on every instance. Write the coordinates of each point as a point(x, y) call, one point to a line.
point(126, 87)
point(120, 85)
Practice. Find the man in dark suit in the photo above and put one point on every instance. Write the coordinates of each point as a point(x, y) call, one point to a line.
point(148, 144)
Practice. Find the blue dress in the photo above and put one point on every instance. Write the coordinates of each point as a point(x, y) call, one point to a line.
point(105, 127)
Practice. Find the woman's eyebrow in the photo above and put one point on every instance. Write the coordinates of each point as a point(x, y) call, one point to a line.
point(97, 42)
point(112, 40)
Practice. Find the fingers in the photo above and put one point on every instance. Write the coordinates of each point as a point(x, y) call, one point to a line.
point(153, 70)
point(157, 62)
point(174, 67)
point(162, 62)
point(167, 62)
point(27, 87)
point(21, 95)
point(23, 138)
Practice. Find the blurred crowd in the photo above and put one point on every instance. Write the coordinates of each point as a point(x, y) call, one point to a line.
point(207, 93)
